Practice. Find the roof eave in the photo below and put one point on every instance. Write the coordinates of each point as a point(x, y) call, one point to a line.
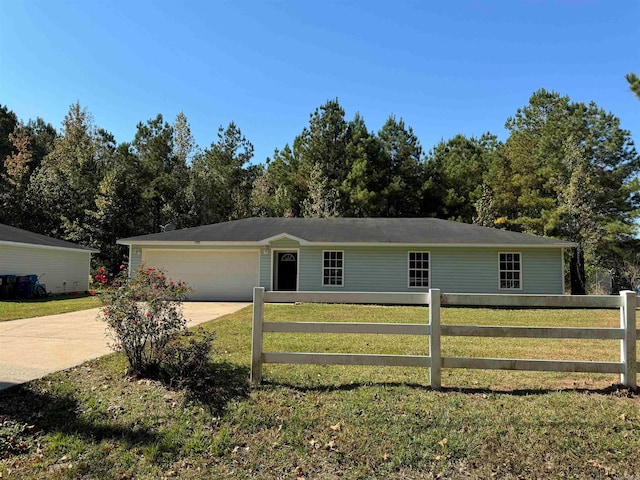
point(48, 247)
point(143, 243)
point(266, 242)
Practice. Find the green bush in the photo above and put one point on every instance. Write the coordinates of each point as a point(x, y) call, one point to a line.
point(143, 315)
point(187, 363)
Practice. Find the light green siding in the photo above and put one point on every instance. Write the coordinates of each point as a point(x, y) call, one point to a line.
point(455, 270)
point(135, 258)
point(385, 269)
point(475, 270)
point(366, 269)
point(265, 269)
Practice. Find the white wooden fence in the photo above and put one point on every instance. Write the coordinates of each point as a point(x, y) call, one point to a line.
point(627, 367)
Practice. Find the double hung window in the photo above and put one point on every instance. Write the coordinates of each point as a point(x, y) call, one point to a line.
point(418, 269)
point(510, 271)
point(332, 268)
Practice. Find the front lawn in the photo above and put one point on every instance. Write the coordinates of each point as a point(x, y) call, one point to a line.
point(335, 422)
point(13, 310)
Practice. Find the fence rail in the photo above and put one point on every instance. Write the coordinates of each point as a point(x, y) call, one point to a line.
point(627, 333)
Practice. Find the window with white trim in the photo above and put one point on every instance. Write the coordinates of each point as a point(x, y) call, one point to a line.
point(332, 268)
point(418, 269)
point(510, 271)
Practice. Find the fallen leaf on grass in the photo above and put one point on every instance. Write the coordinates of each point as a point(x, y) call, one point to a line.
point(337, 427)
point(597, 464)
point(443, 442)
point(331, 446)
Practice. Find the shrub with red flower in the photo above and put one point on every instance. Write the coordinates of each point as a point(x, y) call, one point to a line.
point(144, 316)
point(102, 276)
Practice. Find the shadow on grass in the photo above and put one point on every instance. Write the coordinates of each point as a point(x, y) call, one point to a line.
point(616, 390)
point(26, 414)
point(42, 412)
point(220, 383)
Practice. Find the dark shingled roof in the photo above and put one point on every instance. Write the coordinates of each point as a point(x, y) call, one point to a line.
point(350, 230)
point(17, 235)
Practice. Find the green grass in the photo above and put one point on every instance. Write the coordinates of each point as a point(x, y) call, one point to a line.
point(333, 421)
point(13, 310)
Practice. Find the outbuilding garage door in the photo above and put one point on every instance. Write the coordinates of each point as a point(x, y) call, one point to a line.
point(214, 275)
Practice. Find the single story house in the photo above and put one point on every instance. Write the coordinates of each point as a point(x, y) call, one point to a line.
point(62, 266)
point(225, 261)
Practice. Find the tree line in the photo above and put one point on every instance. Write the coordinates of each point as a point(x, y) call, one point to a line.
point(566, 170)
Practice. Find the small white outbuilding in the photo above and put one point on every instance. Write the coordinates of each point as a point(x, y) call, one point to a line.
point(62, 266)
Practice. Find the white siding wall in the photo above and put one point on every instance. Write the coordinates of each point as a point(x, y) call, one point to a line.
point(64, 270)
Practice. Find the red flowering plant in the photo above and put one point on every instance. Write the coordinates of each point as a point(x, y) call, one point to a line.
point(102, 276)
point(143, 315)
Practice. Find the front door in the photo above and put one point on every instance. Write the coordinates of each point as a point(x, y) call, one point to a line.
point(286, 274)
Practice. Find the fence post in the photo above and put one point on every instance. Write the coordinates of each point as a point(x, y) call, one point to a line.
point(256, 335)
point(434, 338)
point(628, 343)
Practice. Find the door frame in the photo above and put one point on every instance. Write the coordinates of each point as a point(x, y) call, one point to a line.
point(273, 270)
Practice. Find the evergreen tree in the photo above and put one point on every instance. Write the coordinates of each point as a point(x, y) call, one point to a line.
point(321, 150)
point(221, 181)
point(120, 207)
point(64, 186)
point(164, 173)
point(455, 172)
point(364, 181)
point(286, 181)
point(634, 84)
point(536, 179)
point(401, 170)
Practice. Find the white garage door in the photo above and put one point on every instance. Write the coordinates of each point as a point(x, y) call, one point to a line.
point(214, 275)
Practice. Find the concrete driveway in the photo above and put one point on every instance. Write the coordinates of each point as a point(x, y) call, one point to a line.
point(31, 348)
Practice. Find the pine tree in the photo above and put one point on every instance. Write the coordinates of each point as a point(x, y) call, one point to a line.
point(221, 179)
point(536, 178)
point(634, 83)
point(401, 169)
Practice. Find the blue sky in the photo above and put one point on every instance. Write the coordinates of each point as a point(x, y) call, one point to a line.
point(446, 67)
